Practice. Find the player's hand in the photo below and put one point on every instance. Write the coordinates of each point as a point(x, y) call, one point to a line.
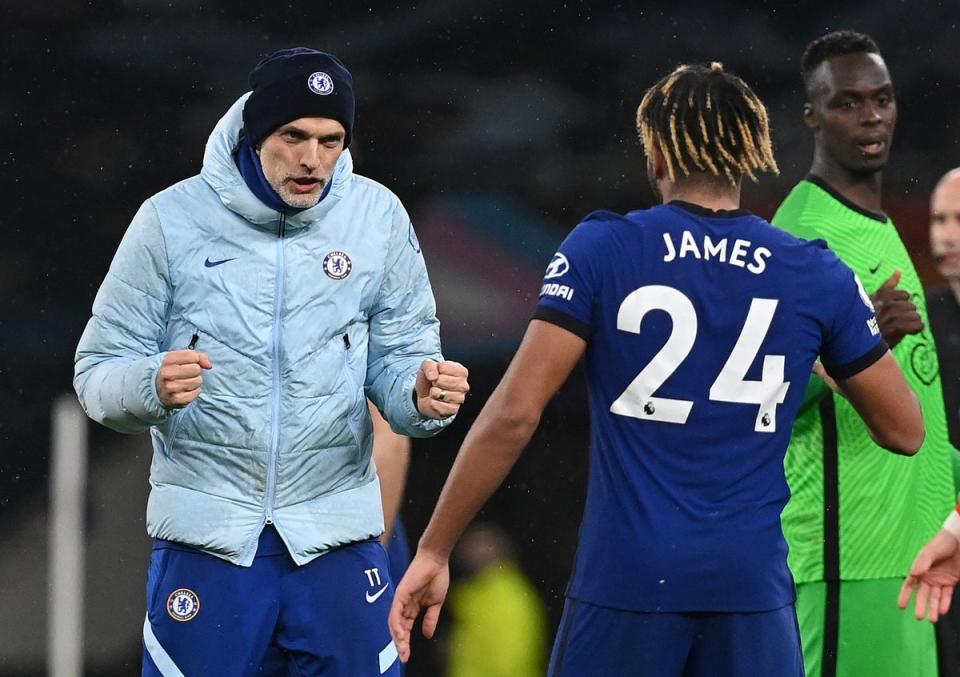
point(934, 574)
point(424, 586)
point(180, 377)
point(441, 388)
point(897, 315)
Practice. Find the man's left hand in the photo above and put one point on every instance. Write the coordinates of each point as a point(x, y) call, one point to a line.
point(441, 388)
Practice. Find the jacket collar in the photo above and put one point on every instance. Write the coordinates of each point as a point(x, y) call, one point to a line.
point(221, 173)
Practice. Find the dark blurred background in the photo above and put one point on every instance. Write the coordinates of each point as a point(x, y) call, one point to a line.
point(498, 124)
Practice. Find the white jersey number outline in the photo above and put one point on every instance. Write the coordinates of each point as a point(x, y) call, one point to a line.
point(730, 385)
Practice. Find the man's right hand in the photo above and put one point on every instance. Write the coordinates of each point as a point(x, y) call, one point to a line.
point(180, 377)
point(897, 315)
point(422, 588)
point(934, 574)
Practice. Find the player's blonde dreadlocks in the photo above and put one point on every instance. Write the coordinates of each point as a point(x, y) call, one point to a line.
point(706, 120)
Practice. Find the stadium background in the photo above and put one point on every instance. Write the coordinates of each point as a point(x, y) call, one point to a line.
point(499, 124)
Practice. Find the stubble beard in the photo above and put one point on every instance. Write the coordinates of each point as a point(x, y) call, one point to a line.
point(298, 200)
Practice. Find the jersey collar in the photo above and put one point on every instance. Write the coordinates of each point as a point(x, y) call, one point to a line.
point(709, 213)
point(827, 188)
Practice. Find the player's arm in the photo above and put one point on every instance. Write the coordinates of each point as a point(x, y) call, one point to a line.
point(409, 381)
point(121, 376)
point(543, 362)
point(896, 315)
point(887, 405)
point(864, 369)
point(391, 454)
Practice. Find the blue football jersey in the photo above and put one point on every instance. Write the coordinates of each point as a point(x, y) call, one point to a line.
point(702, 329)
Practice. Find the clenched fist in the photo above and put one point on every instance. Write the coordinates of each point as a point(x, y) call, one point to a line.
point(441, 388)
point(180, 377)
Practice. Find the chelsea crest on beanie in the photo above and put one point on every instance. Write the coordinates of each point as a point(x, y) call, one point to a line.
point(297, 83)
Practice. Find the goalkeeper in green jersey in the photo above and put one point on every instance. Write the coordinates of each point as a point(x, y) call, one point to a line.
point(858, 516)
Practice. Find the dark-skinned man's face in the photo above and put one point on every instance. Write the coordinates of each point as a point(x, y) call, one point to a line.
point(852, 109)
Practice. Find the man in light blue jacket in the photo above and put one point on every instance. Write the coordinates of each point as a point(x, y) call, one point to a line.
point(246, 317)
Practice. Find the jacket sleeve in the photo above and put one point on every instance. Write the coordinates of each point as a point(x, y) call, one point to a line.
point(404, 331)
point(119, 354)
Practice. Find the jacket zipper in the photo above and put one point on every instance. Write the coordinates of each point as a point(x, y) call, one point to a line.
point(277, 326)
point(353, 386)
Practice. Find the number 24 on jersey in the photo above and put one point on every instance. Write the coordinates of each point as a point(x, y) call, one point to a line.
point(730, 385)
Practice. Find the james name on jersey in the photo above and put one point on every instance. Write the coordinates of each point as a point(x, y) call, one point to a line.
point(710, 250)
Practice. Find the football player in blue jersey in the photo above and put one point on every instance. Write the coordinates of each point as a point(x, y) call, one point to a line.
point(700, 324)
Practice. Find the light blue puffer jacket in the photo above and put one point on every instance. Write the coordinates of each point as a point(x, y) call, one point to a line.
point(281, 431)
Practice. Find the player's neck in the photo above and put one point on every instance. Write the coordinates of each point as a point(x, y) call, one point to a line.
point(707, 196)
point(863, 190)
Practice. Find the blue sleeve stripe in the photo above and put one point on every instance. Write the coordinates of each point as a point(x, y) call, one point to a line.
point(563, 320)
point(852, 368)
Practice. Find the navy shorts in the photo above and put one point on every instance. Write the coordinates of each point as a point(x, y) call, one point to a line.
point(206, 616)
point(603, 642)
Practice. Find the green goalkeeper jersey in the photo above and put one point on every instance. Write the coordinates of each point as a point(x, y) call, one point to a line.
point(858, 511)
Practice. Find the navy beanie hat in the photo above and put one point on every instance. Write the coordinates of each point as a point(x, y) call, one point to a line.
point(297, 83)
